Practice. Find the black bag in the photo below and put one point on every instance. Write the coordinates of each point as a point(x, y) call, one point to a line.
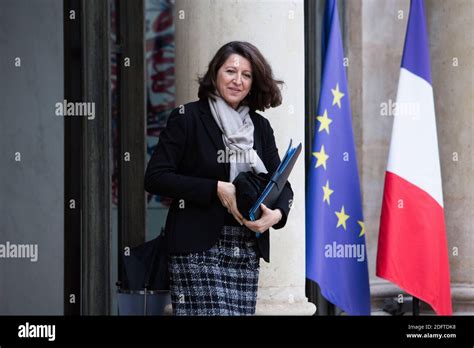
point(147, 266)
point(248, 188)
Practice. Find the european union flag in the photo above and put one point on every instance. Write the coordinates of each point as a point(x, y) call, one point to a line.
point(336, 255)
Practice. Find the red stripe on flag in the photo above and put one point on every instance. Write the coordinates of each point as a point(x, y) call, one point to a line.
point(412, 249)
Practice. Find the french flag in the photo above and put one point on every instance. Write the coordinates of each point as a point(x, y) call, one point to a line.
point(412, 247)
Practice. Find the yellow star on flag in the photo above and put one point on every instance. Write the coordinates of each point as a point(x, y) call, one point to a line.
point(362, 225)
point(327, 193)
point(322, 157)
point(325, 121)
point(337, 96)
point(342, 218)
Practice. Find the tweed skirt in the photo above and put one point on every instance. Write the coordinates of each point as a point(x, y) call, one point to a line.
point(220, 281)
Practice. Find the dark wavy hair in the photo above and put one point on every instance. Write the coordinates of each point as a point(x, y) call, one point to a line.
point(264, 93)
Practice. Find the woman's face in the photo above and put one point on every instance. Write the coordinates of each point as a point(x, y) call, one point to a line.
point(234, 79)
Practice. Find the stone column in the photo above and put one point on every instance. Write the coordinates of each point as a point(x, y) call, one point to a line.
point(277, 29)
point(451, 36)
point(376, 45)
point(382, 30)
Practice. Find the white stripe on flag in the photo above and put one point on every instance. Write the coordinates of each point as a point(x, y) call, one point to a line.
point(414, 146)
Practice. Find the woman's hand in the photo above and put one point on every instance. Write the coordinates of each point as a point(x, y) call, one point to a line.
point(268, 219)
point(226, 194)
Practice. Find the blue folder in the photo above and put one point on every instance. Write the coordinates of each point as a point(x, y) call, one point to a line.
point(272, 191)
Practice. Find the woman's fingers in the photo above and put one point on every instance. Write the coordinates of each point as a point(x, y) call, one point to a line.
point(228, 200)
point(235, 212)
point(255, 226)
point(262, 224)
point(226, 203)
point(265, 209)
point(239, 220)
point(237, 215)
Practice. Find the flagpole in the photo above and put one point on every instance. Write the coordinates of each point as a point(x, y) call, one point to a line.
point(416, 306)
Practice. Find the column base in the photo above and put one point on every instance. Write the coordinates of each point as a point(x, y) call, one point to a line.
point(275, 307)
point(285, 300)
point(462, 296)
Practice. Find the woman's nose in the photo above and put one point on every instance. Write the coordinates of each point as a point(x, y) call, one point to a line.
point(238, 79)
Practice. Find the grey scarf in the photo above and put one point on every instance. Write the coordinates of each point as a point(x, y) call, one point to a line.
point(237, 134)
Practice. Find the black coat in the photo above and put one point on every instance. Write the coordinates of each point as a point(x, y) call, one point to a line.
point(185, 167)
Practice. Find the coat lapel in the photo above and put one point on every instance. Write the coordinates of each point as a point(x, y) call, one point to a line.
point(212, 130)
point(216, 135)
point(210, 125)
point(257, 136)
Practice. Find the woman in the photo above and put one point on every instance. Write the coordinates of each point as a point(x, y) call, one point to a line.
point(214, 251)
